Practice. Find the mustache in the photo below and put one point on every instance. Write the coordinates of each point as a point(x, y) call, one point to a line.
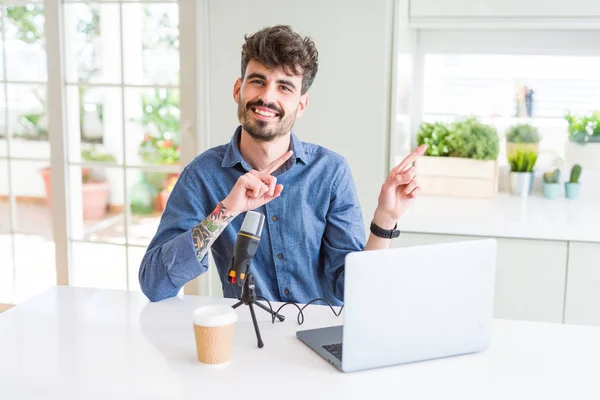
point(260, 103)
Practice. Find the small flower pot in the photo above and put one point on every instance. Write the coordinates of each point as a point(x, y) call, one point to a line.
point(551, 190)
point(572, 190)
point(521, 183)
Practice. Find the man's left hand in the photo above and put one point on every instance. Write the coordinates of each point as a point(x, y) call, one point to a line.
point(398, 191)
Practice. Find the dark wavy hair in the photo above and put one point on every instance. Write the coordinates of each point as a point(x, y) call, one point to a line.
point(279, 46)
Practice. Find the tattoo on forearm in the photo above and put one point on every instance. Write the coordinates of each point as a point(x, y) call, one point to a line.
point(205, 233)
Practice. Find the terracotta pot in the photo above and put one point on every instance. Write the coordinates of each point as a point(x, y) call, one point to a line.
point(95, 200)
point(95, 196)
point(163, 196)
point(46, 173)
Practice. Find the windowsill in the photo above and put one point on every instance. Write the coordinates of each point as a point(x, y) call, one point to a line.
point(533, 217)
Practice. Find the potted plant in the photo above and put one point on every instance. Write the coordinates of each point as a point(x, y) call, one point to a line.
point(94, 187)
point(460, 159)
point(522, 136)
point(163, 196)
point(572, 187)
point(521, 171)
point(583, 146)
point(552, 184)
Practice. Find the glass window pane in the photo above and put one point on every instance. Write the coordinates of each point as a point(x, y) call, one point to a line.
point(31, 186)
point(35, 265)
point(151, 44)
point(28, 121)
point(2, 76)
point(95, 124)
point(152, 117)
point(6, 269)
point(96, 203)
point(99, 266)
point(4, 200)
point(25, 43)
point(3, 127)
point(135, 259)
point(92, 43)
point(148, 194)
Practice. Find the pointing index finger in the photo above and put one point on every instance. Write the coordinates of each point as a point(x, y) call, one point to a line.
point(409, 159)
point(274, 166)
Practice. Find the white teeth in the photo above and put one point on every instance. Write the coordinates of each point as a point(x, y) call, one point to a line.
point(265, 113)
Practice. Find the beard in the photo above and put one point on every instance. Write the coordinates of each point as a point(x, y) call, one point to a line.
point(265, 131)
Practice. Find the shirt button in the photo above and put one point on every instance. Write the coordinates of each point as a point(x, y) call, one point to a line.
point(280, 256)
point(286, 292)
point(274, 218)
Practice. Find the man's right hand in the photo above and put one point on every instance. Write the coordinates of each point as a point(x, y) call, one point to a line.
point(255, 188)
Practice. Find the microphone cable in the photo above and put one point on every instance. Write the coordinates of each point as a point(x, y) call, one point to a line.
point(300, 317)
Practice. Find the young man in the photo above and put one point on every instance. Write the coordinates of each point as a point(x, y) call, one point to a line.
point(306, 192)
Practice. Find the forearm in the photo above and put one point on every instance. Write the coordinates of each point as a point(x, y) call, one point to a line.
point(166, 268)
point(375, 242)
point(207, 231)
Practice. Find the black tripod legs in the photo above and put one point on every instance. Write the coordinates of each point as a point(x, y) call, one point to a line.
point(236, 305)
point(260, 342)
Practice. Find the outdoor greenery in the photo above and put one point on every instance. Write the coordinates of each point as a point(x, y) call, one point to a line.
point(160, 119)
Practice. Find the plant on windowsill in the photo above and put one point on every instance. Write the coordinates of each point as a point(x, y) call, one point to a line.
point(521, 171)
point(552, 184)
point(583, 146)
point(572, 187)
point(460, 159)
point(524, 136)
point(94, 187)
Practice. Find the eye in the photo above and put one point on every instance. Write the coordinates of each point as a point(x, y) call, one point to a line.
point(283, 87)
point(258, 81)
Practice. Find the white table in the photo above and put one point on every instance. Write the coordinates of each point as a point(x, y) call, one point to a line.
point(75, 343)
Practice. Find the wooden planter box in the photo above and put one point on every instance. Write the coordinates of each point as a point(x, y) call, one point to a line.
point(462, 177)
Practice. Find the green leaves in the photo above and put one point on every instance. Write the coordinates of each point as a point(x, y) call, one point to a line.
point(582, 129)
point(523, 160)
point(473, 139)
point(436, 136)
point(467, 138)
point(522, 133)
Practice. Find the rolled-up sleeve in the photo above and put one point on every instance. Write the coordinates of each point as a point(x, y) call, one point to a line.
point(170, 260)
point(345, 230)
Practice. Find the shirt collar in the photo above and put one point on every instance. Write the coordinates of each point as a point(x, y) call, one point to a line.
point(233, 155)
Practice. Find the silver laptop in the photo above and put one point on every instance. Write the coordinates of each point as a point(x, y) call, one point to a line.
point(411, 304)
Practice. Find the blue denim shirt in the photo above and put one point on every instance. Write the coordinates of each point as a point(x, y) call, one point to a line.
point(308, 231)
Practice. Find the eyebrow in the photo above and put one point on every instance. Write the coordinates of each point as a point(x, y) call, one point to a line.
point(263, 77)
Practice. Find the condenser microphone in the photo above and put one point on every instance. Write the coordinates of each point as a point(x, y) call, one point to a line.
point(245, 247)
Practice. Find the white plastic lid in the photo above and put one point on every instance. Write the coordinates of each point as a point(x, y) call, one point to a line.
point(212, 316)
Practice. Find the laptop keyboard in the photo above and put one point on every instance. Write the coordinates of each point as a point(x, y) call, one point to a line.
point(335, 349)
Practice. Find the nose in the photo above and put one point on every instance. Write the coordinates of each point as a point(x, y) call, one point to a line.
point(269, 94)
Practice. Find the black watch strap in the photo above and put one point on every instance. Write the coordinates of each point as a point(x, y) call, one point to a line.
point(384, 233)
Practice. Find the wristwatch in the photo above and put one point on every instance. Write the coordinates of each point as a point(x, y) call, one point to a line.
point(385, 233)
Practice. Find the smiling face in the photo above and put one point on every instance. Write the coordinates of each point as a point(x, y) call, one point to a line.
point(269, 101)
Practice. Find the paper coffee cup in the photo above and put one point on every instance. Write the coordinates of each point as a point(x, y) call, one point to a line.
point(213, 329)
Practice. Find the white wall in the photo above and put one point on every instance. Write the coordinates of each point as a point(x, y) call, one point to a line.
point(349, 102)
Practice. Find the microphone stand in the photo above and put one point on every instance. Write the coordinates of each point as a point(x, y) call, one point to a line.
point(249, 299)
